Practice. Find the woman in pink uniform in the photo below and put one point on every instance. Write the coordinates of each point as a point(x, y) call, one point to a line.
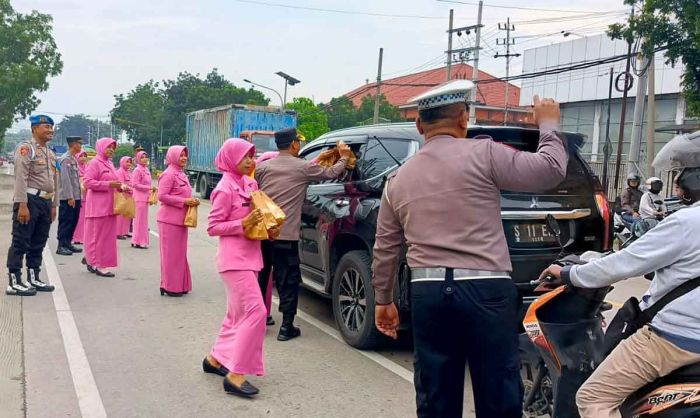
point(79, 233)
point(100, 221)
point(238, 350)
point(142, 184)
point(124, 175)
point(175, 196)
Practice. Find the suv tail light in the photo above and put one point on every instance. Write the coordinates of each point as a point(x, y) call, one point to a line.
point(601, 201)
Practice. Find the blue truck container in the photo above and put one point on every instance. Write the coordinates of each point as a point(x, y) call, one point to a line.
point(208, 129)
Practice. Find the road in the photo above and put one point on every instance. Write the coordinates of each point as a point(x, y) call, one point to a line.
point(115, 347)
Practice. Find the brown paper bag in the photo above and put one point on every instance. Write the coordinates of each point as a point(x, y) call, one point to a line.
point(124, 205)
point(153, 198)
point(273, 217)
point(331, 159)
point(191, 217)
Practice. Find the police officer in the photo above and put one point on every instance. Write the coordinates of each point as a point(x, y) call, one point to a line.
point(35, 202)
point(69, 196)
point(445, 203)
point(285, 180)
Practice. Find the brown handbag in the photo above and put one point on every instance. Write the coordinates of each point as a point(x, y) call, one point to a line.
point(124, 205)
point(191, 217)
point(273, 217)
point(153, 197)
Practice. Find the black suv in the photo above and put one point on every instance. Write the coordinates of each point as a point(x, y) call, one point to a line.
point(339, 220)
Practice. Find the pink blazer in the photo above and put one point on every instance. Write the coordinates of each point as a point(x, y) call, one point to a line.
point(173, 189)
point(141, 182)
point(99, 199)
point(125, 177)
point(229, 205)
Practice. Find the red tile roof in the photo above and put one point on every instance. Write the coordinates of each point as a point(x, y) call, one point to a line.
point(400, 89)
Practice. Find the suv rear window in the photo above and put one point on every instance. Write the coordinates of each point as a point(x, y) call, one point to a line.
point(578, 176)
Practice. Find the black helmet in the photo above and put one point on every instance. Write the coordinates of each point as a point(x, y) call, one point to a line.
point(655, 184)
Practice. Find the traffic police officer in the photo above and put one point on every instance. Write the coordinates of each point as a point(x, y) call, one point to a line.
point(445, 204)
point(35, 202)
point(69, 196)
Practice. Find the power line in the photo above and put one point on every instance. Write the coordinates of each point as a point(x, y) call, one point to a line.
point(522, 8)
point(340, 11)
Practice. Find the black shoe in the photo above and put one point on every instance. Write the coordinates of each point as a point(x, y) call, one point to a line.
point(64, 251)
point(75, 249)
point(18, 288)
point(164, 292)
point(35, 281)
point(270, 321)
point(121, 237)
point(140, 247)
point(246, 389)
point(210, 368)
point(288, 332)
point(103, 273)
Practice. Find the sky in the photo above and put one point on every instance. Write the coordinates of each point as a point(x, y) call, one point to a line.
point(110, 46)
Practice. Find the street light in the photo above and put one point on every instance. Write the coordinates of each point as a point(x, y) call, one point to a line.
point(268, 88)
point(288, 81)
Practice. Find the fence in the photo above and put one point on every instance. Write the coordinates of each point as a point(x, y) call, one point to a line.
point(615, 190)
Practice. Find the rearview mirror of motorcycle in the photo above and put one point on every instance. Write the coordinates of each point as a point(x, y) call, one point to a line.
point(553, 225)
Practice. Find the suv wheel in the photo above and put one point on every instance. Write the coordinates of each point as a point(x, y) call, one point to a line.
point(353, 301)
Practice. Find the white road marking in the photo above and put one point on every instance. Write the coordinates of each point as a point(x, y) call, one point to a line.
point(89, 399)
point(402, 372)
point(154, 233)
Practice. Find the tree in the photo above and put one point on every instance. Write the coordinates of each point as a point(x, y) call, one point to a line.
point(12, 139)
point(312, 121)
point(123, 150)
point(675, 25)
point(341, 112)
point(140, 113)
point(28, 57)
point(80, 125)
point(387, 111)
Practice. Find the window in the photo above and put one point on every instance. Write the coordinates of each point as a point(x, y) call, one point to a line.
point(374, 159)
point(264, 143)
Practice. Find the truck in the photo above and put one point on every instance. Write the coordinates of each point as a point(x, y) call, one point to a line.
point(207, 130)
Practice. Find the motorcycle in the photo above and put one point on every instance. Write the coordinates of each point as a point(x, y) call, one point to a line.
point(563, 344)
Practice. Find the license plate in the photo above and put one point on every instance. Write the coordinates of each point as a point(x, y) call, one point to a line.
point(532, 233)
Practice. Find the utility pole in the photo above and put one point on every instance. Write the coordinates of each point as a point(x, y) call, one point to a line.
point(375, 120)
point(449, 45)
point(638, 120)
point(608, 144)
point(626, 88)
point(651, 117)
point(507, 42)
point(475, 68)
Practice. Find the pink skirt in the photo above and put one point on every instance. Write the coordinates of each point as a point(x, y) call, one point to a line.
point(123, 226)
point(101, 242)
point(141, 225)
point(239, 345)
point(79, 233)
point(174, 268)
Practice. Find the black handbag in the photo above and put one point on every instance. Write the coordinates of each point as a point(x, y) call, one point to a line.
point(630, 317)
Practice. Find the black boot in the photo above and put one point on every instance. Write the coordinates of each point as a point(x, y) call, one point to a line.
point(288, 331)
point(34, 280)
point(74, 249)
point(270, 321)
point(17, 287)
point(64, 249)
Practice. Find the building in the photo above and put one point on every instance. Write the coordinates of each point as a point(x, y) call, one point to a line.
point(583, 95)
point(490, 97)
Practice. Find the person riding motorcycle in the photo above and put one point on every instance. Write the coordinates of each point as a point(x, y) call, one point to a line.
point(649, 207)
point(631, 199)
point(672, 339)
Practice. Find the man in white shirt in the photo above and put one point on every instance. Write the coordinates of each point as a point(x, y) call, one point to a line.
point(652, 203)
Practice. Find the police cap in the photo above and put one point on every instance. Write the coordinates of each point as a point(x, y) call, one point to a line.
point(40, 120)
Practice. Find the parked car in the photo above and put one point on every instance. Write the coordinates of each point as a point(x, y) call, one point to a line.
point(339, 220)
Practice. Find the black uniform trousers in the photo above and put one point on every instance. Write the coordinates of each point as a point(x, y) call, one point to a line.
point(67, 222)
point(472, 322)
point(29, 239)
point(282, 257)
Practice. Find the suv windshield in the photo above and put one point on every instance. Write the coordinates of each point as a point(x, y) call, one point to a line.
point(375, 160)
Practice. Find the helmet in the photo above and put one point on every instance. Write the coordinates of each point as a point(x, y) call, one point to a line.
point(633, 177)
point(655, 184)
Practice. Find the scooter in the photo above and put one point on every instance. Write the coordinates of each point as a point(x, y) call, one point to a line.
point(563, 344)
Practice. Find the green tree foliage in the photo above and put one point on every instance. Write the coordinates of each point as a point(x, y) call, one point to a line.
point(143, 111)
point(312, 121)
point(674, 24)
point(387, 111)
point(28, 57)
point(80, 125)
point(341, 112)
point(12, 139)
point(123, 150)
